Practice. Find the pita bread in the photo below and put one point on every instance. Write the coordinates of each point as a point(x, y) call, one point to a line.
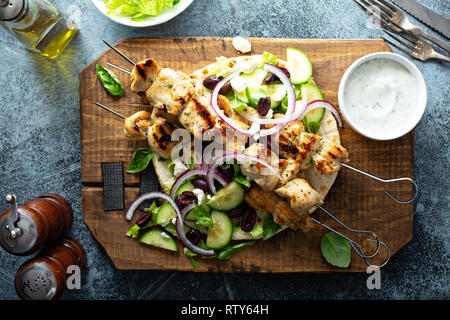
point(322, 183)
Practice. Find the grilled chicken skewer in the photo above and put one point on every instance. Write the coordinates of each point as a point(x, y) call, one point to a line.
point(156, 130)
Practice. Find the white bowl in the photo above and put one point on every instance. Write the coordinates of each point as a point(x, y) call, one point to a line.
point(165, 15)
point(411, 121)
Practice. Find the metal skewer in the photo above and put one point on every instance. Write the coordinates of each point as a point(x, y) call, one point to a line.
point(119, 52)
point(388, 181)
point(110, 110)
point(118, 68)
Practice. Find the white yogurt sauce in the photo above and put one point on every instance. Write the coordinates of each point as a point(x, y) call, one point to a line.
point(380, 95)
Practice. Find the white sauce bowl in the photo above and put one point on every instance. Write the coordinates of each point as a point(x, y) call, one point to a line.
point(409, 121)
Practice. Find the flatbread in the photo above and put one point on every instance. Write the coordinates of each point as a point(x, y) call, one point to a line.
point(322, 183)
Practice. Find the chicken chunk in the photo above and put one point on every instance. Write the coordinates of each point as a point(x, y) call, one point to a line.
point(265, 178)
point(289, 168)
point(170, 91)
point(285, 215)
point(160, 137)
point(261, 200)
point(196, 118)
point(301, 150)
point(326, 160)
point(144, 74)
point(301, 195)
point(136, 125)
point(269, 201)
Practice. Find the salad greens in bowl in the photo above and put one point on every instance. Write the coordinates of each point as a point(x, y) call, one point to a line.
point(141, 13)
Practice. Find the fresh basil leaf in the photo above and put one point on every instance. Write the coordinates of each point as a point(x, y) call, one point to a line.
point(140, 160)
point(175, 2)
point(110, 81)
point(242, 180)
point(226, 252)
point(336, 250)
point(203, 217)
point(270, 228)
point(237, 169)
point(313, 127)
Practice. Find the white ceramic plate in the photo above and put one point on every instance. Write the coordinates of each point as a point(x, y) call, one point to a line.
point(165, 15)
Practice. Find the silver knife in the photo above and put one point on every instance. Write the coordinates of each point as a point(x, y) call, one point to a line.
point(430, 18)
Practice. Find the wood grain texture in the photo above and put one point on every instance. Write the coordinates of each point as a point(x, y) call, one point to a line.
point(358, 201)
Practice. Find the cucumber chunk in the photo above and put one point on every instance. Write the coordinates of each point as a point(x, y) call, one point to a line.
point(254, 95)
point(255, 78)
point(220, 234)
point(313, 118)
point(299, 66)
point(187, 186)
point(164, 215)
point(159, 238)
point(271, 90)
point(228, 198)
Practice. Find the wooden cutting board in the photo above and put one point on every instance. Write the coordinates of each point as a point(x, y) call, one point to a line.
point(356, 200)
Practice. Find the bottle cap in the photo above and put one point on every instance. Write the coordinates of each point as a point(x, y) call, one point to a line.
point(10, 9)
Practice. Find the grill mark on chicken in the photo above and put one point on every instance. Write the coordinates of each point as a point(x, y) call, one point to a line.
point(165, 138)
point(203, 112)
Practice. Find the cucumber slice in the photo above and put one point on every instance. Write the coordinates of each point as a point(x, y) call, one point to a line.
point(254, 95)
point(187, 186)
point(313, 118)
point(164, 215)
point(159, 238)
point(255, 78)
point(299, 66)
point(191, 217)
point(228, 198)
point(271, 90)
point(220, 234)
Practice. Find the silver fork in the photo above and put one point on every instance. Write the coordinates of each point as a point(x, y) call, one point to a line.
point(396, 18)
point(419, 48)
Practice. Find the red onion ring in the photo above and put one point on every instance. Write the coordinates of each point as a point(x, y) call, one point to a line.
point(241, 157)
point(186, 175)
point(188, 208)
point(323, 104)
point(291, 98)
point(230, 122)
point(179, 223)
point(215, 175)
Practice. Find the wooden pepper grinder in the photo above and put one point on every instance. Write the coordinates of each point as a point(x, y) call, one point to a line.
point(44, 277)
point(24, 229)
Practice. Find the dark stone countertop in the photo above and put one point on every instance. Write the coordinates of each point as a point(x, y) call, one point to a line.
point(40, 152)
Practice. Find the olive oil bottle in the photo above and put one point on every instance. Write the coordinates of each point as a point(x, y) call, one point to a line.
point(38, 25)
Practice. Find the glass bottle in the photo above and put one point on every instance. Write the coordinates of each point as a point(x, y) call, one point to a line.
point(38, 25)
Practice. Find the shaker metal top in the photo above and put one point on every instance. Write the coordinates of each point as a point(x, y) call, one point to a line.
point(18, 232)
point(10, 9)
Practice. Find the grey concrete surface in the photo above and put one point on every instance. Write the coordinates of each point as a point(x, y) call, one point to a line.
point(40, 152)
